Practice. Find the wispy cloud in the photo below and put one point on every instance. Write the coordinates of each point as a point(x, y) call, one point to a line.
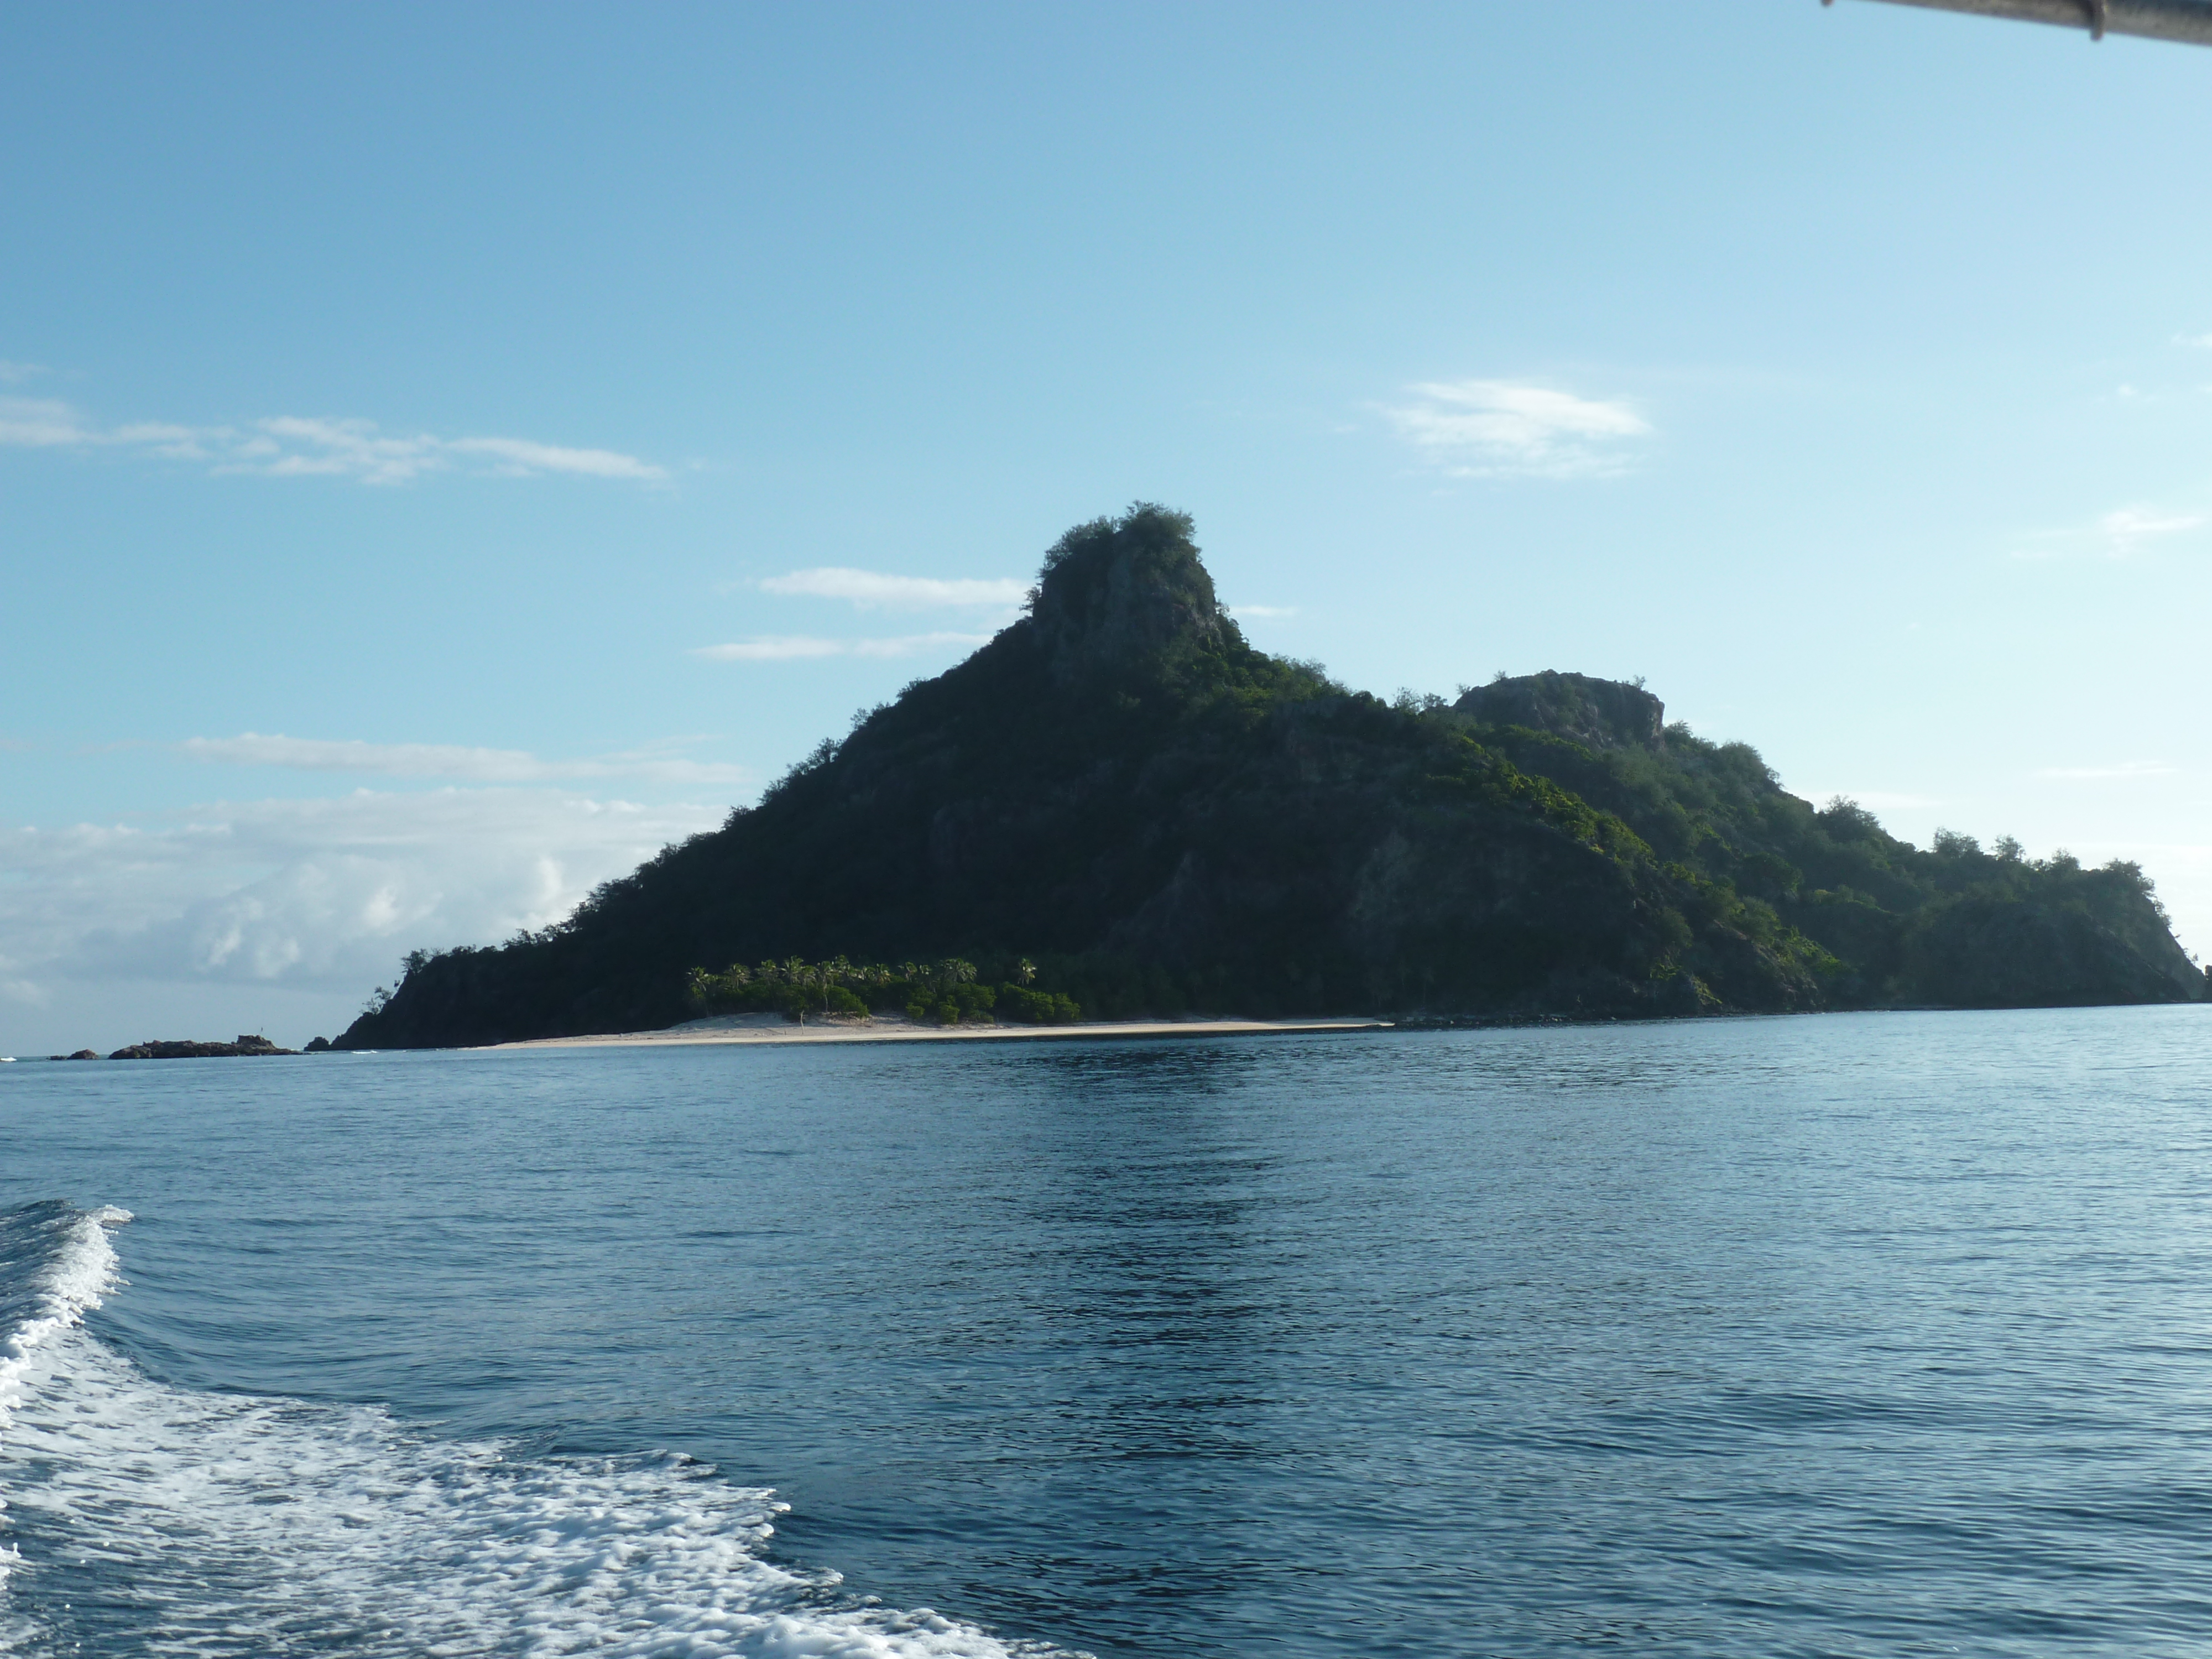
point(875, 589)
point(39, 423)
point(451, 761)
point(2124, 770)
point(2199, 342)
point(290, 445)
point(2131, 526)
point(519, 457)
point(794, 647)
point(16, 374)
point(2116, 535)
point(773, 647)
point(1502, 429)
point(1263, 611)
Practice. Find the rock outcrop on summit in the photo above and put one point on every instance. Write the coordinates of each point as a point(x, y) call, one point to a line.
point(1599, 713)
point(1121, 790)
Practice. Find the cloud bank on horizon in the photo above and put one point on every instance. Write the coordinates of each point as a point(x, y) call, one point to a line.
point(317, 898)
point(289, 446)
point(322, 894)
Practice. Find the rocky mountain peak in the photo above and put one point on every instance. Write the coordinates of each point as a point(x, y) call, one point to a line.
point(1121, 593)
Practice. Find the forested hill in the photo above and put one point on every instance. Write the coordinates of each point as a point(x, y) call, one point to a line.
point(1119, 787)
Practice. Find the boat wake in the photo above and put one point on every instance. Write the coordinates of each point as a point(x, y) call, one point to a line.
point(143, 1519)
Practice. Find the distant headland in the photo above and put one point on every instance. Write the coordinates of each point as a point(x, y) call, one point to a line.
point(1120, 803)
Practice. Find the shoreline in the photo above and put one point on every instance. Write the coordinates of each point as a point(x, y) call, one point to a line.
point(769, 1029)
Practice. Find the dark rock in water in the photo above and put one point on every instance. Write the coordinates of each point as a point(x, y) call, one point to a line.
point(317, 1046)
point(1600, 714)
point(190, 1050)
point(85, 1054)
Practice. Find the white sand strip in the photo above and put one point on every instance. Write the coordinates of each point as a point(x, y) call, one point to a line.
point(738, 1029)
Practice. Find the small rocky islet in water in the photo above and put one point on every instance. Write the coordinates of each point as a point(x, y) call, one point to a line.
point(242, 1046)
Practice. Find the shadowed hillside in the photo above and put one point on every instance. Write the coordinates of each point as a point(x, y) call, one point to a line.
point(1165, 818)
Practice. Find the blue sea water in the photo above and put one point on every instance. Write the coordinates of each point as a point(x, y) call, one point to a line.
point(1867, 1334)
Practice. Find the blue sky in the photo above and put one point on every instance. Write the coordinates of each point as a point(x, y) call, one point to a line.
point(424, 431)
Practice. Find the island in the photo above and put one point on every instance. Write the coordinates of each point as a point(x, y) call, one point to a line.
point(1118, 808)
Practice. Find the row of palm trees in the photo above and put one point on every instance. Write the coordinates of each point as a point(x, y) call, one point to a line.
point(869, 983)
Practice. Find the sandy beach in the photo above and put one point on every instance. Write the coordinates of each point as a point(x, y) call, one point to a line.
point(891, 1028)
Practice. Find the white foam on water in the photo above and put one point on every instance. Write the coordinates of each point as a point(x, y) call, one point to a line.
point(55, 1262)
point(158, 1520)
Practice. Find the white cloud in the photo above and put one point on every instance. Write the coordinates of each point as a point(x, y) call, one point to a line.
point(523, 457)
point(1498, 428)
point(2129, 526)
point(2116, 535)
point(870, 589)
point(1263, 611)
point(778, 647)
point(2201, 342)
point(2124, 770)
point(307, 893)
point(39, 423)
point(436, 760)
point(16, 374)
point(793, 647)
point(290, 445)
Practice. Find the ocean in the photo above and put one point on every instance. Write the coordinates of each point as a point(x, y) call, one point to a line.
point(1848, 1334)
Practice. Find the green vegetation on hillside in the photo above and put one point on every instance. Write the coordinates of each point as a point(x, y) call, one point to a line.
point(1121, 790)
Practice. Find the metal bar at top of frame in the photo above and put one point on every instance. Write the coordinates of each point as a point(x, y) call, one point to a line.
point(2156, 20)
